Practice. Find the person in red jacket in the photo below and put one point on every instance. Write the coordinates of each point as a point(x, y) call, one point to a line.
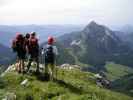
point(33, 51)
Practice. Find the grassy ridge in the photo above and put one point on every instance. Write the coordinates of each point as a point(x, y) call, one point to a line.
point(70, 85)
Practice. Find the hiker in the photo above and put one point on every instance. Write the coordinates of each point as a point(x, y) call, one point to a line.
point(18, 46)
point(33, 51)
point(27, 44)
point(50, 52)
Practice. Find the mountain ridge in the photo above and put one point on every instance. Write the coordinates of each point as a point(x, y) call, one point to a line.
point(71, 84)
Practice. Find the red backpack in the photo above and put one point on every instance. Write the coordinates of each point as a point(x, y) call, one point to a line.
point(18, 42)
point(33, 43)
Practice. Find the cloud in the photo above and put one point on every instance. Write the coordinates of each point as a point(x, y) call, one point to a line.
point(5, 2)
point(2, 2)
point(65, 11)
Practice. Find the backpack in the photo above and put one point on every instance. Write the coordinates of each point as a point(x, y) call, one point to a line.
point(18, 43)
point(49, 55)
point(33, 45)
point(33, 42)
point(14, 48)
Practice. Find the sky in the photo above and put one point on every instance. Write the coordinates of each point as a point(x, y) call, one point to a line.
point(108, 12)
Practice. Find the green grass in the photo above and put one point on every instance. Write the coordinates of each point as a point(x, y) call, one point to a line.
point(116, 71)
point(70, 85)
point(77, 62)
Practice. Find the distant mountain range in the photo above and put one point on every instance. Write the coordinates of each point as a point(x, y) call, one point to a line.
point(127, 29)
point(8, 32)
point(126, 34)
point(6, 55)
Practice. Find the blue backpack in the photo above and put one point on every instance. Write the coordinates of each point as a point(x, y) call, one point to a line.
point(49, 54)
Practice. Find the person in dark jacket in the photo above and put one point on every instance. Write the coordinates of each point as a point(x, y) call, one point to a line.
point(18, 46)
point(27, 45)
point(50, 52)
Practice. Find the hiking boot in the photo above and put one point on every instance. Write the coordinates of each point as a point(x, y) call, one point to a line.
point(24, 72)
point(37, 72)
point(46, 77)
point(19, 71)
point(27, 70)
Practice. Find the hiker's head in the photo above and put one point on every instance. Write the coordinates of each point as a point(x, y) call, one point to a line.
point(33, 34)
point(19, 36)
point(50, 40)
point(27, 36)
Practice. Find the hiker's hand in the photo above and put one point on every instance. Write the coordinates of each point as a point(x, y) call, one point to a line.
point(42, 52)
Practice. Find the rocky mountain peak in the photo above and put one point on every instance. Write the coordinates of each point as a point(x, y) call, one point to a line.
point(100, 32)
point(93, 23)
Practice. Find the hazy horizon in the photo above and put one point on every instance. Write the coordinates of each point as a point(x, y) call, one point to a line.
point(66, 12)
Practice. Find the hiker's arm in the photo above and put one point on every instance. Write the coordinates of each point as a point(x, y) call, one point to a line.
point(56, 51)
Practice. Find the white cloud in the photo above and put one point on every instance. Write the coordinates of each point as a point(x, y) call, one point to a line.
point(65, 11)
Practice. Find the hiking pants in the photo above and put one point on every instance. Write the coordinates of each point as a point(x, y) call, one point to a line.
point(31, 60)
point(50, 69)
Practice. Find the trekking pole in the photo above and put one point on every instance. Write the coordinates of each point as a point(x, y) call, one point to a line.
point(42, 60)
point(55, 69)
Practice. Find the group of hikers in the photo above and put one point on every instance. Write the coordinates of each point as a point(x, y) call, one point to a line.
point(27, 48)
